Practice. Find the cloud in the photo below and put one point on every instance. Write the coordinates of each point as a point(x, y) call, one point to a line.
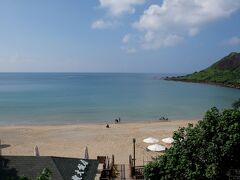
point(233, 41)
point(168, 23)
point(129, 50)
point(128, 41)
point(119, 7)
point(115, 9)
point(193, 31)
point(152, 40)
point(185, 13)
point(103, 24)
point(126, 38)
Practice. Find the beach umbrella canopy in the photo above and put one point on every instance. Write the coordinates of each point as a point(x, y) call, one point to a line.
point(36, 151)
point(86, 156)
point(150, 140)
point(168, 140)
point(156, 147)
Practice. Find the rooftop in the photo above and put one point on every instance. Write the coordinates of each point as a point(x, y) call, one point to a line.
point(62, 168)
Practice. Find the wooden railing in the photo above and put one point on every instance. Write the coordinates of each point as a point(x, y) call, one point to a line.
point(108, 167)
point(137, 171)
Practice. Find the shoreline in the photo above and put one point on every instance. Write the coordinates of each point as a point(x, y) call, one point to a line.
point(200, 82)
point(97, 123)
point(71, 140)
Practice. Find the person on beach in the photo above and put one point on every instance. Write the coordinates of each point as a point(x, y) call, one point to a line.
point(107, 126)
point(119, 119)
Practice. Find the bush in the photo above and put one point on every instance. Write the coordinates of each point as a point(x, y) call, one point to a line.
point(236, 104)
point(45, 175)
point(204, 151)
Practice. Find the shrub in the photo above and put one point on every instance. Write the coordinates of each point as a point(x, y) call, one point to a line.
point(204, 151)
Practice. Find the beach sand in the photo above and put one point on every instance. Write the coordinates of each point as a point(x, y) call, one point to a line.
point(71, 140)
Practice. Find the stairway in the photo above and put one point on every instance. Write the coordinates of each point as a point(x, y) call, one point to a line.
point(124, 172)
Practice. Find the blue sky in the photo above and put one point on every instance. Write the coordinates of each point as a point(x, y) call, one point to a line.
point(160, 36)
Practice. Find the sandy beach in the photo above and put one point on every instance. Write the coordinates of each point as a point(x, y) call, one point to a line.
point(71, 140)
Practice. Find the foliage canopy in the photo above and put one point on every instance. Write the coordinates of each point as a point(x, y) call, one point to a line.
point(45, 175)
point(236, 104)
point(11, 174)
point(204, 151)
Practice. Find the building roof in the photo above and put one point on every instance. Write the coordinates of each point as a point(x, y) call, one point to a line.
point(62, 168)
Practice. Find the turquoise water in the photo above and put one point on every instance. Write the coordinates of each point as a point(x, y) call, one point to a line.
point(59, 98)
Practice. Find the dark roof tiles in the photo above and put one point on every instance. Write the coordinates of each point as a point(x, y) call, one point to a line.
point(62, 168)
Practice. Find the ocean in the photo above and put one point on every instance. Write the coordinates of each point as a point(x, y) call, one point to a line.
point(66, 98)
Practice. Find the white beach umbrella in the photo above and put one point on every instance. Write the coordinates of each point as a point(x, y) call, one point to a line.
point(150, 140)
point(36, 151)
point(156, 147)
point(86, 156)
point(168, 140)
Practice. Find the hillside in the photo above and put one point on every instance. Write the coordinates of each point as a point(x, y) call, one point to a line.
point(225, 72)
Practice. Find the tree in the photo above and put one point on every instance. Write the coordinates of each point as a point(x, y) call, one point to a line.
point(204, 151)
point(236, 104)
point(7, 173)
point(11, 173)
point(45, 175)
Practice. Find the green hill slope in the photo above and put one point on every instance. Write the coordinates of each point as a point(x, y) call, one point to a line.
point(225, 72)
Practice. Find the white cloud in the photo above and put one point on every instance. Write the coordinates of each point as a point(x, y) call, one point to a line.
point(115, 9)
point(193, 31)
point(234, 41)
point(129, 50)
point(185, 13)
point(103, 24)
point(168, 23)
point(153, 40)
point(126, 38)
point(119, 7)
point(128, 43)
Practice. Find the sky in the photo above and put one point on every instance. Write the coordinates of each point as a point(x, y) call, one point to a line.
point(143, 36)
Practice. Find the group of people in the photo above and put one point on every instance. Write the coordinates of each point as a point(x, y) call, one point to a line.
point(163, 118)
point(116, 122)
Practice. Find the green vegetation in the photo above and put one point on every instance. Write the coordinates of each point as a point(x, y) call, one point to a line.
point(236, 104)
point(224, 72)
point(11, 174)
point(207, 150)
point(45, 175)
